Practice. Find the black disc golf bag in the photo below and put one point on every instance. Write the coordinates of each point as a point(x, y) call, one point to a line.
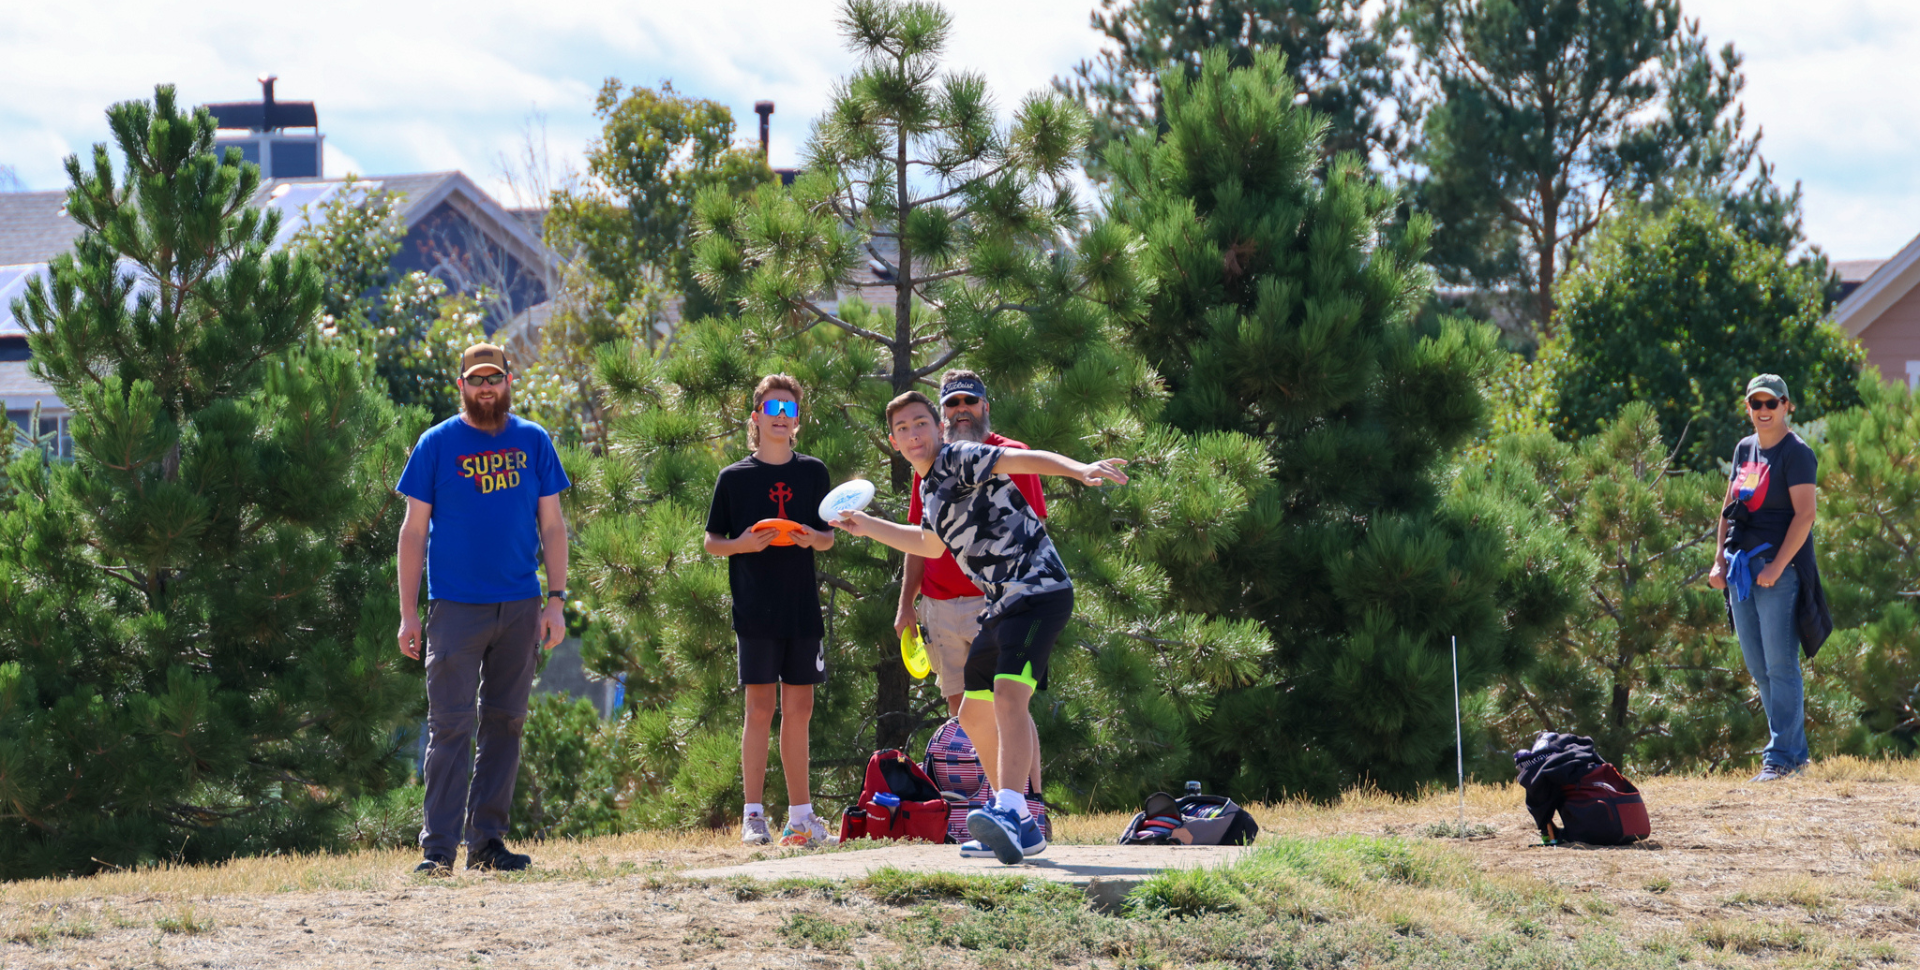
point(1192, 820)
point(1597, 805)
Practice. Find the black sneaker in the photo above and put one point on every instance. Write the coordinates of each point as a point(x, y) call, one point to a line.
point(435, 864)
point(494, 855)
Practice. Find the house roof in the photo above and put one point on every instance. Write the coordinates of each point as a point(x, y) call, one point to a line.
point(1856, 270)
point(34, 227)
point(1882, 288)
point(21, 390)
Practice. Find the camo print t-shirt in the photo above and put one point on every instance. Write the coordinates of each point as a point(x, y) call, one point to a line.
point(994, 535)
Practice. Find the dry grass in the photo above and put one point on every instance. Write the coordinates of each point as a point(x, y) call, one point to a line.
point(1819, 870)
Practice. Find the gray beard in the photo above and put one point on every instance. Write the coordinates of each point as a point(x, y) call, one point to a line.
point(977, 432)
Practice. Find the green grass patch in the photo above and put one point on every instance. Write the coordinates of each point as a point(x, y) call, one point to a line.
point(185, 922)
point(1349, 901)
point(808, 931)
point(39, 934)
point(896, 887)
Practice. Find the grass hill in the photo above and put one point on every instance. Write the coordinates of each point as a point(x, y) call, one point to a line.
point(1817, 871)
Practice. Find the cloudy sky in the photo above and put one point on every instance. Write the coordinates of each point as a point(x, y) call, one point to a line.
point(414, 85)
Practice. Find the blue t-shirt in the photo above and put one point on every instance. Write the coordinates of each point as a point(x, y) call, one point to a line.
point(483, 540)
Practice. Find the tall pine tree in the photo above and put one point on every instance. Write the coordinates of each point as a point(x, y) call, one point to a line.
point(976, 282)
point(196, 654)
point(1285, 314)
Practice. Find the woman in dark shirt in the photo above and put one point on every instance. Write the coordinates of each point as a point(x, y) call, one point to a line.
point(1767, 519)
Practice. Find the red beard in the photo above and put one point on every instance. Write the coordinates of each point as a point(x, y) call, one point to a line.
point(491, 415)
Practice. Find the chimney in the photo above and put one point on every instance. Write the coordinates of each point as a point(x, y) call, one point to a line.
point(266, 101)
point(765, 110)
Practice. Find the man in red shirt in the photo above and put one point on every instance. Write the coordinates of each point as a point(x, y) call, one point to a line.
point(950, 604)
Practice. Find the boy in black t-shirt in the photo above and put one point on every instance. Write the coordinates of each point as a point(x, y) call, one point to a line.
point(972, 509)
point(776, 600)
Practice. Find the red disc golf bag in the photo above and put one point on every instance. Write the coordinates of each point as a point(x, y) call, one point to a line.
point(921, 814)
point(1597, 805)
point(1603, 808)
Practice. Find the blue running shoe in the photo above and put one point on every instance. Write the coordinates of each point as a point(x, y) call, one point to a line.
point(972, 849)
point(999, 830)
point(1033, 841)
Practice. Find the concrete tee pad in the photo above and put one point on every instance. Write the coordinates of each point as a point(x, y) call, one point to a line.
point(1105, 872)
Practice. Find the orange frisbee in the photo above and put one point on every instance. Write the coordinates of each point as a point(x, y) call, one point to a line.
point(785, 529)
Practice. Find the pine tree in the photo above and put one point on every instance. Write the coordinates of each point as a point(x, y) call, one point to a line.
point(909, 173)
point(1341, 62)
point(196, 652)
point(1869, 549)
point(1286, 314)
point(1646, 665)
point(1042, 320)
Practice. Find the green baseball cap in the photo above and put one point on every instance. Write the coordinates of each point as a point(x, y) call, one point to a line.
point(1770, 383)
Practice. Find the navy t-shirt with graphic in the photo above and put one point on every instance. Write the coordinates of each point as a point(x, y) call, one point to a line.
point(775, 592)
point(1761, 478)
point(483, 539)
point(993, 533)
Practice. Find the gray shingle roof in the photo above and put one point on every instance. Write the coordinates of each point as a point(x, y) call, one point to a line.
point(34, 227)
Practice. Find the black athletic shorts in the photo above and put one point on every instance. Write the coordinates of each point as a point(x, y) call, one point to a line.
point(1017, 644)
point(782, 660)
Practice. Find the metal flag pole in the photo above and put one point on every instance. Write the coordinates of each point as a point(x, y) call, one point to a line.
point(1459, 742)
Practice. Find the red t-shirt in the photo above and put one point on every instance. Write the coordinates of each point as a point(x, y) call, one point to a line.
point(943, 579)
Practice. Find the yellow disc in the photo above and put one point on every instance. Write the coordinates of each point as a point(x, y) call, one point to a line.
point(913, 652)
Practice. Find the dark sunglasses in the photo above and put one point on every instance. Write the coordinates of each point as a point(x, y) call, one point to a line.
point(966, 399)
point(487, 380)
point(774, 409)
point(1755, 404)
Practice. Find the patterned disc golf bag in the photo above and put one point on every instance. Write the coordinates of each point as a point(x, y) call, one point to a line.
point(955, 767)
point(1597, 805)
point(1191, 820)
point(920, 814)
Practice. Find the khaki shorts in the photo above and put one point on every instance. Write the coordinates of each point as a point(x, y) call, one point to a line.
point(950, 628)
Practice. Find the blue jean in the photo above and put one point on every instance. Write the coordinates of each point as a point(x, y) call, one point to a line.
point(1770, 643)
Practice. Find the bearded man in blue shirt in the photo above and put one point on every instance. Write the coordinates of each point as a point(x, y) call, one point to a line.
point(483, 511)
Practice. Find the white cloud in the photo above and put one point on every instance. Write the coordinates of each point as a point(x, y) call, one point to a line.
point(406, 85)
point(1829, 82)
point(412, 85)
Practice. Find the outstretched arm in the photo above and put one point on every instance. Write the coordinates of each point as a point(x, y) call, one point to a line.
point(1017, 462)
point(910, 539)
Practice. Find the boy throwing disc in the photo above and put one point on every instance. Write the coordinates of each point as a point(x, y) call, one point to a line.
point(972, 509)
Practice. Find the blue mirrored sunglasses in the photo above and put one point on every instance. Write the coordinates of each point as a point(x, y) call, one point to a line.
point(774, 409)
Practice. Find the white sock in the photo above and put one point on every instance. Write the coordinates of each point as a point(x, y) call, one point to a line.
point(799, 812)
point(756, 808)
point(1012, 801)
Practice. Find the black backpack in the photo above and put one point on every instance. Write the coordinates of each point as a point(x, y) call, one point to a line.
point(1597, 805)
point(1192, 820)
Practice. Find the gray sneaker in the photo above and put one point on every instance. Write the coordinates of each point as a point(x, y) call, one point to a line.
point(753, 830)
point(1769, 773)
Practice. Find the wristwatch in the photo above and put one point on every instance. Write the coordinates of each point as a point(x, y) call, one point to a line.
point(557, 592)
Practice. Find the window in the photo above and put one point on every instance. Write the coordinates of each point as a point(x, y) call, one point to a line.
point(54, 434)
point(1913, 374)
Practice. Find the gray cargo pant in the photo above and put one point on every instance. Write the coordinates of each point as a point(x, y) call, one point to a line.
point(488, 649)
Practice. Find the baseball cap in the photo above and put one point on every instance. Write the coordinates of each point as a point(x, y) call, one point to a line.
point(962, 385)
point(1770, 383)
point(483, 355)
